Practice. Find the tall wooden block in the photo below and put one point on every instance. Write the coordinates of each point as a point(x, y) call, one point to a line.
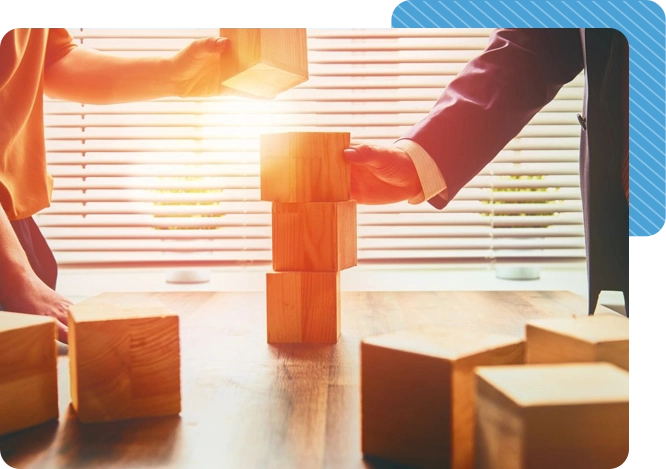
point(305, 167)
point(579, 339)
point(124, 363)
point(303, 307)
point(28, 371)
point(316, 236)
point(265, 62)
point(573, 416)
point(417, 393)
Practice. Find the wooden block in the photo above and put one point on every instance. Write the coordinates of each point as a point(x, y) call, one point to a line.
point(303, 307)
point(28, 371)
point(265, 62)
point(124, 363)
point(304, 167)
point(579, 339)
point(417, 394)
point(552, 416)
point(316, 236)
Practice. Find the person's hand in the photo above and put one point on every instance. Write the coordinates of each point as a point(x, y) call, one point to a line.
point(196, 69)
point(29, 295)
point(381, 175)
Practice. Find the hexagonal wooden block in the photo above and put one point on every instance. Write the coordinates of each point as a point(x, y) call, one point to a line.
point(28, 371)
point(316, 236)
point(264, 62)
point(552, 416)
point(124, 363)
point(417, 393)
point(303, 307)
point(579, 339)
point(305, 167)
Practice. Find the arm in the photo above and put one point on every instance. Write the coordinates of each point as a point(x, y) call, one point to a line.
point(493, 98)
point(89, 76)
point(21, 290)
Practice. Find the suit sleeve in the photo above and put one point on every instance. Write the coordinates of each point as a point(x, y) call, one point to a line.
point(493, 98)
point(59, 44)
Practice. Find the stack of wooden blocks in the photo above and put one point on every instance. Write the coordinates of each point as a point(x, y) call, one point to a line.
point(308, 181)
point(461, 399)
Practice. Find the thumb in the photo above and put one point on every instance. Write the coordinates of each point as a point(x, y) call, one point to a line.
point(363, 154)
point(357, 153)
point(209, 45)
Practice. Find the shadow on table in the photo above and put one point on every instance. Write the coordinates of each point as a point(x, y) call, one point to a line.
point(21, 448)
point(150, 442)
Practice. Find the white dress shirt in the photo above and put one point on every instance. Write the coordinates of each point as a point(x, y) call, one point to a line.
point(432, 181)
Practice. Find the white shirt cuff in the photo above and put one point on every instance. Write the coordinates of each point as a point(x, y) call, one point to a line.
point(432, 181)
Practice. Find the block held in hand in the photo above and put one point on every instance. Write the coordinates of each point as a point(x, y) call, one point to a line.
point(264, 62)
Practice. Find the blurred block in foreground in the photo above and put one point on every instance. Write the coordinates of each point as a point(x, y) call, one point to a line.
point(603, 337)
point(417, 393)
point(552, 416)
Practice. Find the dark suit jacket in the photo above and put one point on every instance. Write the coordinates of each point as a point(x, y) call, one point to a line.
point(498, 93)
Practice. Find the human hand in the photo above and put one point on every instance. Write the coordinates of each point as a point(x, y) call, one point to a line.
point(196, 69)
point(29, 295)
point(381, 175)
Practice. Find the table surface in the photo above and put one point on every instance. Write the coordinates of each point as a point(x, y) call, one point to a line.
point(248, 404)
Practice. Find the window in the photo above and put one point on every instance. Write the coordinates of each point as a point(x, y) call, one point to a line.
point(175, 181)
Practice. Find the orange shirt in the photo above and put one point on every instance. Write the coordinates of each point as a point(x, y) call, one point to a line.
point(25, 185)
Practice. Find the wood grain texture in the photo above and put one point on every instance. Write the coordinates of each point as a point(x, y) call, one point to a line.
point(572, 340)
point(315, 236)
point(552, 416)
point(28, 371)
point(249, 404)
point(264, 62)
point(124, 362)
point(417, 393)
point(304, 167)
point(303, 307)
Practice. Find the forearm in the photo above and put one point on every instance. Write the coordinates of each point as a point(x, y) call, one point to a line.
point(494, 97)
point(88, 76)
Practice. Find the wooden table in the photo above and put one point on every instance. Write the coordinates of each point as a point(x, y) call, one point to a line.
point(247, 404)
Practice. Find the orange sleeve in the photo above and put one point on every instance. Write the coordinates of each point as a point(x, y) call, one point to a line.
point(59, 43)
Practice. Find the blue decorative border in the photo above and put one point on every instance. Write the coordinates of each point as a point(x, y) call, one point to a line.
point(642, 21)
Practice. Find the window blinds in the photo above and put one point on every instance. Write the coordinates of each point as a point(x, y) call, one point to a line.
point(176, 181)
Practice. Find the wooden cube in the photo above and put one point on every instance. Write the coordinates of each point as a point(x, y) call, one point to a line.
point(573, 416)
point(417, 393)
point(28, 371)
point(124, 363)
point(303, 307)
point(579, 339)
point(304, 167)
point(317, 236)
point(264, 62)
